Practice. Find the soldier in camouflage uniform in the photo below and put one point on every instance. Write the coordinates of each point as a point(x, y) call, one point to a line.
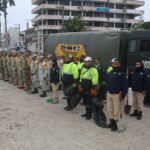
point(34, 68)
point(9, 57)
point(14, 67)
point(3, 74)
point(4, 59)
point(26, 71)
point(1, 66)
point(43, 66)
point(49, 63)
point(19, 70)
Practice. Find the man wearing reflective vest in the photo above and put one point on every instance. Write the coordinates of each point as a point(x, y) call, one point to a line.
point(80, 64)
point(88, 82)
point(70, 77)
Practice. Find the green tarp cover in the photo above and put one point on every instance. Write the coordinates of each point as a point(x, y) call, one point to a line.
point(105, 45)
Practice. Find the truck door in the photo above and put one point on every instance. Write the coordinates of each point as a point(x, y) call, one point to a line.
point(133, 53)
point(144, 49)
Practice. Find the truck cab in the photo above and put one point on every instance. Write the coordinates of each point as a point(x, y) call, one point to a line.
point(139, 48)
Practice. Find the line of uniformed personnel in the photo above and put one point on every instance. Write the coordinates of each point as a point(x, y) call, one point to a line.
point(33, 72)
point(25, 70)
point(14, 67)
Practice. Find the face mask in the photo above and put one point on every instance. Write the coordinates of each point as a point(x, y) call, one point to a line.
point(87, 66)
point(116, 68)
point(138, 68)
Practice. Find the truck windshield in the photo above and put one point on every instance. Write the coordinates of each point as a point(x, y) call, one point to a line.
point(132, 46)
point(145, 45)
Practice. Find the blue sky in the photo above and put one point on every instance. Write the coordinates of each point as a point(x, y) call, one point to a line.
point(21, 13)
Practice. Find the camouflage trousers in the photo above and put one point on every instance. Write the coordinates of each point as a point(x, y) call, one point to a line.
point(20, 78)
point(10, 75)
point(5, 73)
point(26, 79)
point(15, 77)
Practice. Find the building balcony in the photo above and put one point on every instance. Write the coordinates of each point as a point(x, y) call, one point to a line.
point(47, 6)
point(135, 12)
point(88, 28)
point(48, 17)
point(131, 2)
point(86, 19)
point(75, 8)
point(48, 27)
point(136, 2)
point(128, 11)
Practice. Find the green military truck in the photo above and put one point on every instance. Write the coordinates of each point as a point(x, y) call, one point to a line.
point(128, 46)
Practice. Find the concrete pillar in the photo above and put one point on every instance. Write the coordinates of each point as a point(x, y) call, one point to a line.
point(70, 10)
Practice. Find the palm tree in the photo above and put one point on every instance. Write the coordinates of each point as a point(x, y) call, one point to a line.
point(3, 8)
point(74, 25)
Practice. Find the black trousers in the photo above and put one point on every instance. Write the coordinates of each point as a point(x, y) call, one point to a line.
point(67, 94)
point(87, 100)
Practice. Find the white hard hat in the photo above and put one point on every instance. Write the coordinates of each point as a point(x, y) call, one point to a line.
point(88, 58)
point(113, 60)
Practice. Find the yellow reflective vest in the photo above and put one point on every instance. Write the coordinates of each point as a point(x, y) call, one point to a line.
point(89, 74)
point(70, 69)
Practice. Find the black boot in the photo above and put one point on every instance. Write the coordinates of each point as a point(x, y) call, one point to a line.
point(89, 113)
point(139, 116)
point(35, 91)
point(111, 123)
point(68, 108)
point(44, 94)
point(84, 115)
point(134, 114)
point(114, 126)
point(86, 112)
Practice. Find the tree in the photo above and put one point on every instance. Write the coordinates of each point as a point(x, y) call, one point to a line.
point(145, 25)
point(3, 8)
point(74, 25)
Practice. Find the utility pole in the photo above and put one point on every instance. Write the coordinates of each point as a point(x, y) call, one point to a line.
point(42, 36)
point(19, 36)
point(62, 13)
point(63, 18)
point(82, 9)
point(0, 32)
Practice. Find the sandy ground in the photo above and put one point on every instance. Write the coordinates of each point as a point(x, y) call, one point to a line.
point(28, 122)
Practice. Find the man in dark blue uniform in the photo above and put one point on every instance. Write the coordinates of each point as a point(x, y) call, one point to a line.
point(117, 86)
point(101, 79)
point(139, 80)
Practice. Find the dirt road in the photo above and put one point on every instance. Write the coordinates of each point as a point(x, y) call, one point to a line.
point(28, 122)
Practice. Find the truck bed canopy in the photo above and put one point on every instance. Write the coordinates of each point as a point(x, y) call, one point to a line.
point(105, 45)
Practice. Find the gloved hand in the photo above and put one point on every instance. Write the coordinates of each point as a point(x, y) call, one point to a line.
point(93, 91)
point(80, 88)
point(94, 87)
